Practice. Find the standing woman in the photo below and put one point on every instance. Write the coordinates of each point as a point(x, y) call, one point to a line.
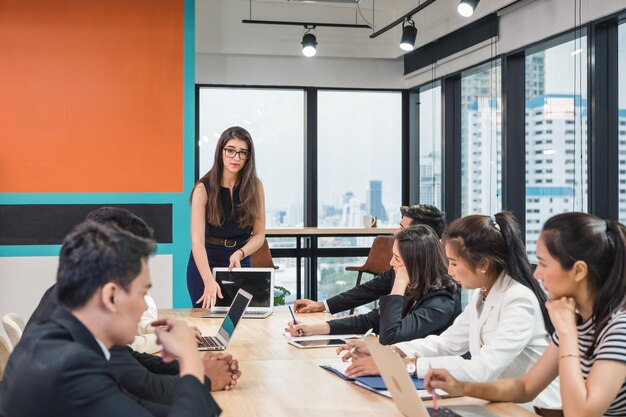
point(227, 216)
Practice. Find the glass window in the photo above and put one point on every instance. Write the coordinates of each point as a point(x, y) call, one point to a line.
point(275, 119)
point(359, 157)
point(333, 279)
point(558, 101)
point(481, 166)
point(430, 145)
point(621, 33)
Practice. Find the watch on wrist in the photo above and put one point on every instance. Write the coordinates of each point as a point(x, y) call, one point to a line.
point(411, 367)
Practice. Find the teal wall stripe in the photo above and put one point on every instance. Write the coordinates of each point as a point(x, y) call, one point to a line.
point(181, 211)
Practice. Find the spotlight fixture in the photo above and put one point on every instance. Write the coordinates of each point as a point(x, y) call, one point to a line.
point(466, 7)
point(309, 42)
point(409, 32)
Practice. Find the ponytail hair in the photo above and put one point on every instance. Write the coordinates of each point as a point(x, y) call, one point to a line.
point(498, 240)
point(601, 244)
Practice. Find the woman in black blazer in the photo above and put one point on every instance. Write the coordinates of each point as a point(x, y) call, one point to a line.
point(424, 300)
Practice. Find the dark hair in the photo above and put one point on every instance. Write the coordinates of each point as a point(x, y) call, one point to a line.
point(425, 261)
point(426, 214)
point(249, 208)
point(476, 238)
point(571, 237)
point(94, 254)
point(121, 218)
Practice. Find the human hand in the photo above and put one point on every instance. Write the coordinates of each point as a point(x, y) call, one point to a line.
point(222, 370)
point(235, 260)
point(356, 349)
point(308, 306)
point(211, 291)
point(440, 378)
point(197, 333)
point(179, 342)
point(562, 314)
point(362, 366)
point(308, 329)
point(402, 276)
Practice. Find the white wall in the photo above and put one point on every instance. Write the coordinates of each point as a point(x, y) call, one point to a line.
point(23, 280)
point(298, 71)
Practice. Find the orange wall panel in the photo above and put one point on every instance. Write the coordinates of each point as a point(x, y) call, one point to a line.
point(91, 95)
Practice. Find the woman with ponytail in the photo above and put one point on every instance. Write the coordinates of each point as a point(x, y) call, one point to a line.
point(582, 264)
point(505, 325)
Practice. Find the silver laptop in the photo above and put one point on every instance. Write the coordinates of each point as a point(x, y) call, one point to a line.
point(257, 281)
point(224, 334)
point(402, 389)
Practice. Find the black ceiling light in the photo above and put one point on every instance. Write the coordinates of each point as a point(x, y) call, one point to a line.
point(409, 33)
point(466, 7)
point(309, 42)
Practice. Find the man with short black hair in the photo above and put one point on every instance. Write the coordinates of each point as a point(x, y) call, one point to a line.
point(61, 368)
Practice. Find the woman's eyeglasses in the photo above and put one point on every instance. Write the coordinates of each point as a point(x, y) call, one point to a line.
point(231, 152)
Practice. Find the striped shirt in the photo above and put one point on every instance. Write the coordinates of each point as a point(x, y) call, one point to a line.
point(611, 346)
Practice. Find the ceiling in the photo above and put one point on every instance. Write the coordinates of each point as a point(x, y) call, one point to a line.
point(219, 29)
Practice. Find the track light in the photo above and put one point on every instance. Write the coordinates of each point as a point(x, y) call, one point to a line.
point(309, 42)
point(409, 33)
point(466, 7)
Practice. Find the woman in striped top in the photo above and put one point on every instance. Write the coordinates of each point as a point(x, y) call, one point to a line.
point(582, 263)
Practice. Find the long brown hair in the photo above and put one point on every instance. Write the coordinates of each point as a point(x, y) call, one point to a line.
point(425, 262)
point(477, 237)
point(249, 208)
point(601, 244)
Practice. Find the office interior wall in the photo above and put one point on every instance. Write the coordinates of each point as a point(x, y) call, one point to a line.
point(26, 278)
point(299, 71)
point(529, 22)
point(97, 107)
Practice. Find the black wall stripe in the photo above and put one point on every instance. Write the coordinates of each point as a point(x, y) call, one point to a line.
point(48, 224)
point(470, 35)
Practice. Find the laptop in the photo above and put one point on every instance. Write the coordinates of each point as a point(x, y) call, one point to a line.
point(257, 281)
point(403, 392)
point(221, 339)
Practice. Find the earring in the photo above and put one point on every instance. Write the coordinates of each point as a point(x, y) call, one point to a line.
point(483, 289)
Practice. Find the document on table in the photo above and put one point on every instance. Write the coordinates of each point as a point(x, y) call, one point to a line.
point(425, 395)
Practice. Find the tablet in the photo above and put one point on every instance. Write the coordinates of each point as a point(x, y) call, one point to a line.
point(305, 344)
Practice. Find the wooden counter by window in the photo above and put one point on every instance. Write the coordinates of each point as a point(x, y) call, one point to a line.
point(316, 231)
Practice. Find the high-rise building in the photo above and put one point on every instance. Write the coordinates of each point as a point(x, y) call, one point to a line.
point(375, 200)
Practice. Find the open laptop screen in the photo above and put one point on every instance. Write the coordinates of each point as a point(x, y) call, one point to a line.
point(235, 312)
point(257, 283)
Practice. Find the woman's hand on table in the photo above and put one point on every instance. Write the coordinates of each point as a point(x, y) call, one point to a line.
point(308, 329)
point(212, 290)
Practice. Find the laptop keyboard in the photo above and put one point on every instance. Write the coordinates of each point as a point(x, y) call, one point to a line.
point(210, 342)
point(254, 313)
point(442, 412)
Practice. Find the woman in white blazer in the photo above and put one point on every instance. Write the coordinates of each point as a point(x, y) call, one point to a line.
point(504, 327)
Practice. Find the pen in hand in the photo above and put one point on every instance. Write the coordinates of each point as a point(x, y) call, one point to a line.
point(367, 333)
point(435, 405)
point(294, 320)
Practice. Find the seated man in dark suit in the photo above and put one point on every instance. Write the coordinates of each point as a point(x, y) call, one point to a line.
point(61, 368)
point(143, 375)
point(381, 284)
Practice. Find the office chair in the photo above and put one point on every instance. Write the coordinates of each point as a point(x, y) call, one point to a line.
point(4, 356)
point(377, 260)
point(263, 257)
point(14, 326)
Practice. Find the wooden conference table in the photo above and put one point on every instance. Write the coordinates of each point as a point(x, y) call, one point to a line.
point(281, 380)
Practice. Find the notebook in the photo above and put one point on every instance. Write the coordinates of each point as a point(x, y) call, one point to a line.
point(403, 392)
point(225, 333)
point(256, 281)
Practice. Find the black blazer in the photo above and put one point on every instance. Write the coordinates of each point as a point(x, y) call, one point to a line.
point(58, 369)
point(431, 314)
point(362, 294)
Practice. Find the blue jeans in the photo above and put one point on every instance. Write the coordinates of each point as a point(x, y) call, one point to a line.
point(218, 257)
